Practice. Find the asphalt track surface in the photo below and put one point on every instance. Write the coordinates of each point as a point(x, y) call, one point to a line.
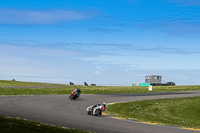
point(60, 111)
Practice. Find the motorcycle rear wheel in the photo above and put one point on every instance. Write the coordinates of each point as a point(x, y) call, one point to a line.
point(97, 112)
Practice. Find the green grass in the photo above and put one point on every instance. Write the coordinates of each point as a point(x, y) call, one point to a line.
point(182, 112)
point(66, 89)
point(11, 125)
point(4, 83)
point(178, 112)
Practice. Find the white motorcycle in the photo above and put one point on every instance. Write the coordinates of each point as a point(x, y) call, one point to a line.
point(96, 109)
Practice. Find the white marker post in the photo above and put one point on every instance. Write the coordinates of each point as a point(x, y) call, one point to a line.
point(150, 87)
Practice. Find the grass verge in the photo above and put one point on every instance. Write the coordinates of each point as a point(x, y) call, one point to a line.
point(182, 112)
point(46, 89)
point(93, 90)
point(11, 125)
point(4, 83)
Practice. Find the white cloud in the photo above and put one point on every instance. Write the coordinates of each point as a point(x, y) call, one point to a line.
point(59, 64)
point(97, 72)
point(15, 16)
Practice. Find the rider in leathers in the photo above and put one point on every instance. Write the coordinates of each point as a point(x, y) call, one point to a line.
point(95, 105)
point(76, 91)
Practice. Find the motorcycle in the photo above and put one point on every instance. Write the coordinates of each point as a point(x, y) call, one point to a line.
point(96, 109)
point(74, 96)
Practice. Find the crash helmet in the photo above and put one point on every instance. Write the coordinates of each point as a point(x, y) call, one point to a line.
point(78, 89)
point(104, 103)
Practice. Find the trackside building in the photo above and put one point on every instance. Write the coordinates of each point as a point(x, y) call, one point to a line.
point(153, 80)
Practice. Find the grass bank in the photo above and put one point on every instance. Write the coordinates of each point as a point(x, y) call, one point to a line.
point(46, 89)
point(7, 83)
point(93, 90)
point(182, 112)
point(11, 125)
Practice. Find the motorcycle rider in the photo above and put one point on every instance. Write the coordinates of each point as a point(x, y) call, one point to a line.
point(95, 105)
point(76, 91)
point(104, 105)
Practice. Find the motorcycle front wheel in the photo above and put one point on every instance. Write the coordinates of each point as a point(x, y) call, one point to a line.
point(97, 112)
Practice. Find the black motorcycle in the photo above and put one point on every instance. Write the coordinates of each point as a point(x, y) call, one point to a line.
point(75, 95)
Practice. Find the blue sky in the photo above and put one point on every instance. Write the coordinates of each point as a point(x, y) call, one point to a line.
point(107, 42)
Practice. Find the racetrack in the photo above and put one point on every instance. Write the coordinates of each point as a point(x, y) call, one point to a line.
point(59, 110)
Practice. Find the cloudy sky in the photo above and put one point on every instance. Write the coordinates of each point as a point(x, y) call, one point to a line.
point(107, 42)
